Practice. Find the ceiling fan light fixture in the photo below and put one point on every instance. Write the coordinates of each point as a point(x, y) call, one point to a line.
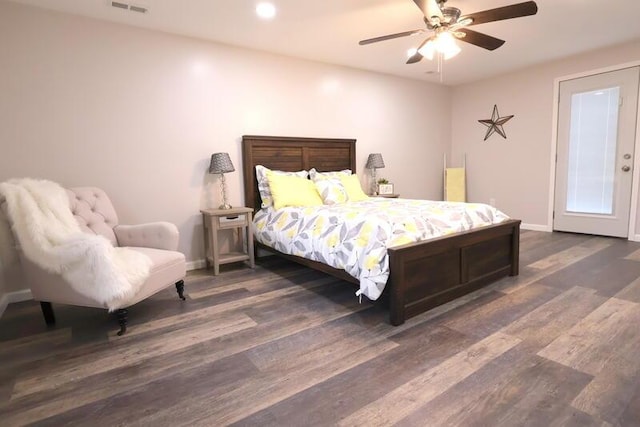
point(428, 50)
point(452, 51)
point(446, 44)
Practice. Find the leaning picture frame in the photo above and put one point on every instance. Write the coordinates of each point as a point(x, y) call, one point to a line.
point(385, 188)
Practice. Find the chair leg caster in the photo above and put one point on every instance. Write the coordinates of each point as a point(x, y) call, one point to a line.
point(122, 320)
point(47, 312)
point(180, 289)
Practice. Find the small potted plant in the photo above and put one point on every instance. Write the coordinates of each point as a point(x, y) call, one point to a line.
point(384, 186)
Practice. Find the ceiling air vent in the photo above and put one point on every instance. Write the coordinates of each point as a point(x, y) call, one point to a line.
point(131, 7)
point(139, 9)
point(120, 5)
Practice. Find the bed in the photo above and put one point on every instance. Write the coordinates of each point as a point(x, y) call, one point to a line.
point(422, 275)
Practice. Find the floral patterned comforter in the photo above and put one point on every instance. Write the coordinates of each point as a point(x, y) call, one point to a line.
point(355, 236)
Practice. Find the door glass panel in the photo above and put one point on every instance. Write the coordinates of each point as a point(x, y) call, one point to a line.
point(592, 151)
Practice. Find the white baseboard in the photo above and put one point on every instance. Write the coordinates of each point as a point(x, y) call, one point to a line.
point(548, 228)
point(196, 265)
point(536, 227)
point(201, 263)
point(17, 296)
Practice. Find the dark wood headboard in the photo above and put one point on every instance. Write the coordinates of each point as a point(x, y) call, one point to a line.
point(292, 154)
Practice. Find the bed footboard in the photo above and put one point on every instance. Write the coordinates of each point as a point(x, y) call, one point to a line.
point(426, 274)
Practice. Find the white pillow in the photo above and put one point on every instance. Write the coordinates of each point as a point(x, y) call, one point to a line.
point(315, 175)
point(263, 182)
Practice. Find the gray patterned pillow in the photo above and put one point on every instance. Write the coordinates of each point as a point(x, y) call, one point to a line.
point(315, 175)
point(332, 191)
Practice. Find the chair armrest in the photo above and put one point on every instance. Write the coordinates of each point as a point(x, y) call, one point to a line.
point(158, 235)
point(8, 245)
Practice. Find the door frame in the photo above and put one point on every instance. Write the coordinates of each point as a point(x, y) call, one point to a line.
point(554, 147)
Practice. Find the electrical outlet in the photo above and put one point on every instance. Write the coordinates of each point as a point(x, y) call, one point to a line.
point(492, 202)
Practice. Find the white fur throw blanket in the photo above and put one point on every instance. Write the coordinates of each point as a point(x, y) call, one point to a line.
point(50, 237)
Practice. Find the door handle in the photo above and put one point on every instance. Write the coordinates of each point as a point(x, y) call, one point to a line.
point(626, 168)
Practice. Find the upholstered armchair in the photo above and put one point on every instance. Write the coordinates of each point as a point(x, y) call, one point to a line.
point(95, 214)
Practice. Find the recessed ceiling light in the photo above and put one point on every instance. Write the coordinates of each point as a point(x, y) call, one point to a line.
point(266, 10)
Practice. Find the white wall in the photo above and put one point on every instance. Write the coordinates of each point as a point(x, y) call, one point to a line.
point(138, 113)
point(516, 171)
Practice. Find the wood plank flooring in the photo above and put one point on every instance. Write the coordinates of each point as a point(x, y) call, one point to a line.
point(282, 345)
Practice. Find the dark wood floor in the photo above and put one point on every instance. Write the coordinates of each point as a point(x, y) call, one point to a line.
point(285, 346)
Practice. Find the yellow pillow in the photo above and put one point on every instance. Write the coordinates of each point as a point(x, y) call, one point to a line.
point(354, 190)
point(292, 191)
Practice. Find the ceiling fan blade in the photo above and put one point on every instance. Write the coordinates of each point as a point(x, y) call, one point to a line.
point(507, 12)
point(389, 37)
point(429, 8)
point(417, 57)
point(479, 39)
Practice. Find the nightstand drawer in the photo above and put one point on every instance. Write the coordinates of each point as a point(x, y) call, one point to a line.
point(235, 221)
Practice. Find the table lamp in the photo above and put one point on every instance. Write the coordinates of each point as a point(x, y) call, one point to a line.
point(374, 162)
point(221, 163)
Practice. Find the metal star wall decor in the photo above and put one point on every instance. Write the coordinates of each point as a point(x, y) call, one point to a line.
point(494, 124)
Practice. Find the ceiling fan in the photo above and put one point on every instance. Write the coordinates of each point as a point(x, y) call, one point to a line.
point(447, 24)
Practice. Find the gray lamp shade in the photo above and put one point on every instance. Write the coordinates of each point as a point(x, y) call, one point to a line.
point(221, 163)
point(375, 161)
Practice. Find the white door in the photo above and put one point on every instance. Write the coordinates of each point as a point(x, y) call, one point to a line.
point(596, 135)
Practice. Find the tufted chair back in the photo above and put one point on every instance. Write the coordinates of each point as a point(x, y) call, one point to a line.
point(94, 212)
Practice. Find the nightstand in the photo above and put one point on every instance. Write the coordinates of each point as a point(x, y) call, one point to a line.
point(388, 196)
point(215, 220)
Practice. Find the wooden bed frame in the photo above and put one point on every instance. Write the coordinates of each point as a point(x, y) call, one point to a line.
point(422, 274)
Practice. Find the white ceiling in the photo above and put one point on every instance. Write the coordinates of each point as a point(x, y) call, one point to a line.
point(329, 30)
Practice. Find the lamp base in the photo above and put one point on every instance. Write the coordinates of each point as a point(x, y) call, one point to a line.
point(225, 206)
